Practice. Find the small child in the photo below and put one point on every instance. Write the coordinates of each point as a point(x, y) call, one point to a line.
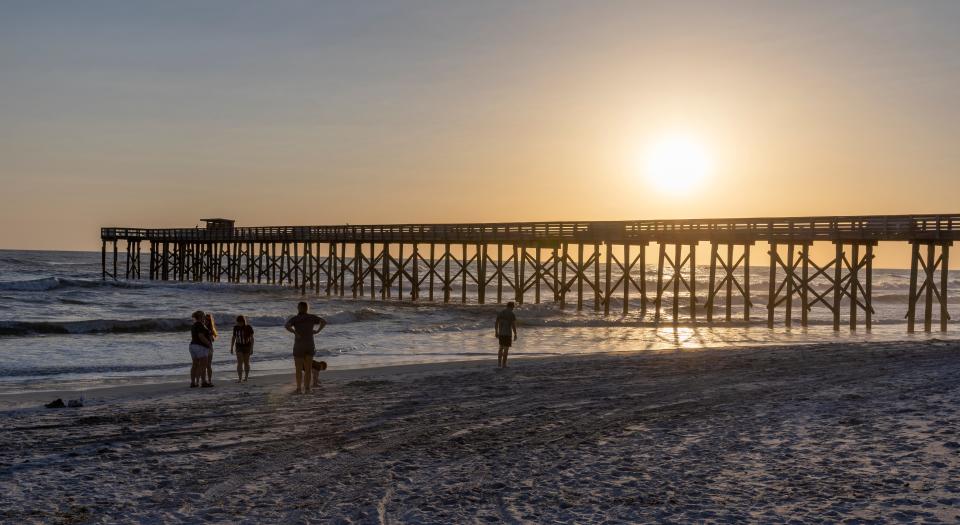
point(318, 366)
point(242, 342)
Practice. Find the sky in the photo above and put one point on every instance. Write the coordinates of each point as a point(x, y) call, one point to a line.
point(161, 113)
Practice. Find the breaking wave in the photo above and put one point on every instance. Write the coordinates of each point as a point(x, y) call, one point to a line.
point(133, 326)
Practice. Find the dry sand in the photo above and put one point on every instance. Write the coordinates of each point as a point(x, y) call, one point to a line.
point(860, 432)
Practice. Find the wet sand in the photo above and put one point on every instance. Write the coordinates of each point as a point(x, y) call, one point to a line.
point(861, 432)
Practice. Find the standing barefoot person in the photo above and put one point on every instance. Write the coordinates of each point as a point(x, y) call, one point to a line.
point(242, 340)
point(506, 323)
point(200, 342)
point(208, 368)
point(302, 327)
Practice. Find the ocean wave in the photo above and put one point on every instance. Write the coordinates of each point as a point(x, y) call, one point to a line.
point(360, 315)
point(118, 326)
point(93, 369)
point(15, 260)
point(52, 283)
point(179, 324)
point(98, 326)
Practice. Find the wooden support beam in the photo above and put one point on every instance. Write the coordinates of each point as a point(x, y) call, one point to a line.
point(711, 280)
point(165, 271)
point(274, 264)
point(521, 283)
point(178, 259)
point(677, 251)
point(295, 265)
point(627, 278)
point(659, 297)
point(746, 283)
point(126, 261)
point(692, 285)
point(606, 285)
point(463, 274)
point(853, 281)
point(373, 271)
point(642, 261)
point(912, 304)
point(580, 270)
point(556, 274)
point(433, 269)
point(837, 285)
point(481, 273)
point(944, 271)
point(302, 273)
point(517, 275)
point(868, 299)
point(385, 272)
point(596, 277)
point(772, 295)
point(344, 267)
point(790, 285)
point(446, 273)
point(332, 268)
point(153, 260)
point(563, 276)
point(499, 273)
point(928, 281)
point(805, 285)
point(401, 269)
point(538, 274)
point(731, 266)
point(251, 263)
point(415, 270)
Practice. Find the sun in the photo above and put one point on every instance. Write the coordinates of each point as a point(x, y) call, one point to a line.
point(676, 163)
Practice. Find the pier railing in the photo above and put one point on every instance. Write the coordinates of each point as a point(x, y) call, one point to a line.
point(867, 227)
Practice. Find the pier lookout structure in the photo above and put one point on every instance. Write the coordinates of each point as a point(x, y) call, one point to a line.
point(571, 263)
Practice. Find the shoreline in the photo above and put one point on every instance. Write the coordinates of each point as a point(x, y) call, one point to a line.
point(101, 394)
point(73, 389)
point(166, 386)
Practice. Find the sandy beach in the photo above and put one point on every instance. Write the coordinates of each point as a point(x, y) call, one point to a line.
point(844, 432)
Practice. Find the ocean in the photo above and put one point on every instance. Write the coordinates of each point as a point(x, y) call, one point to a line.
point(61, 326)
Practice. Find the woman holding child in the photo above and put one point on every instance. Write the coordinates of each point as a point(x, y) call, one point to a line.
point(201, 343)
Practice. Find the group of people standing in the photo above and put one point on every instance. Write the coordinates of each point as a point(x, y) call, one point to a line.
point(303, 326)
point(202, 335)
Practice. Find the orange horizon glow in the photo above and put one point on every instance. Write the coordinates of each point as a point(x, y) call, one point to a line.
point(333, 114)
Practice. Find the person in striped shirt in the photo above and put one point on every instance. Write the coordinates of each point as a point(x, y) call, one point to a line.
point(242, 341)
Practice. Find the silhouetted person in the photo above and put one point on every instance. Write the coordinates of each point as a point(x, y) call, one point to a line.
point(302, 327)
point(208, 366)
point(506, 329)
point(242, 341)
point(200, 343)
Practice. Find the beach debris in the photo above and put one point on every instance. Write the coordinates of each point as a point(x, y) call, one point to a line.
point(75, 403)
point(56, 403)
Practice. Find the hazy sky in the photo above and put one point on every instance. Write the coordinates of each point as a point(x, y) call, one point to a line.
point(160, 113)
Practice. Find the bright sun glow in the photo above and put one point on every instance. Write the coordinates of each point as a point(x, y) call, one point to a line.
point(676, 163)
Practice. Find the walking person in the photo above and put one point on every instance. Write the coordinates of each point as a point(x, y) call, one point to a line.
point(208, 368)
point(200, 343)
point(242, 341)
point(302, 326)
point(506, 330)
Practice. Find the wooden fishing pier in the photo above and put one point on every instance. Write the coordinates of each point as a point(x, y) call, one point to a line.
point(566, 262)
